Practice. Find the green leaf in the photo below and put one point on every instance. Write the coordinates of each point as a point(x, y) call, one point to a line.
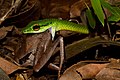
point(117, 10)
point(90, 18)
point(98, 10)
point(113, 10)
point(113, 18)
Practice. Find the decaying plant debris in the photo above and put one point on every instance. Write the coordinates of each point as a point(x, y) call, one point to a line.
point(38, 57)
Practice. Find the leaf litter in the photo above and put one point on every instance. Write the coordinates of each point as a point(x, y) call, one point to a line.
point(35, 56)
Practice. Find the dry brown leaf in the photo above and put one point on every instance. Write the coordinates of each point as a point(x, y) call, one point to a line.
point(71, 74)
point(50, 47)
point(4, 31)
point(60, 10)
point(90, 71)
point(3, 75)
point(108, 74)
point(2, 34)
point(114, 66)
point(29, 44)
point(8, 67)
point(56, 9)
point(77, 8)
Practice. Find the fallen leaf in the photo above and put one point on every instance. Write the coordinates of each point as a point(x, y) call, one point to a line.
point(71, 74)
point(47, 54)
point(8, 67)
point(114, 66)
point(89, 71)
point(4, 31)
point(108, 74)
point(60, 10)
point(2, 34)
point(3, 75)
point(77, 8)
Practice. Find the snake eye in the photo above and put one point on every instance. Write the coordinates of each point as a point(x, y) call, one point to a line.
point(36, 27)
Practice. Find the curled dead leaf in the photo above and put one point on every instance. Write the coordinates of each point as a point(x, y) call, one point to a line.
point(90, 71)
point(71, 74)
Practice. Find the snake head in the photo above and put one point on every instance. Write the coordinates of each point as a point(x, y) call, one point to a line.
point(37, 26)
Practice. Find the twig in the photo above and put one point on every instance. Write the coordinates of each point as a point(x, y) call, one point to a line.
point(15, 5)
point(61, 55)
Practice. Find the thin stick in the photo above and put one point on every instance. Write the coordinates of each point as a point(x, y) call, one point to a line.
point(61, 55)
